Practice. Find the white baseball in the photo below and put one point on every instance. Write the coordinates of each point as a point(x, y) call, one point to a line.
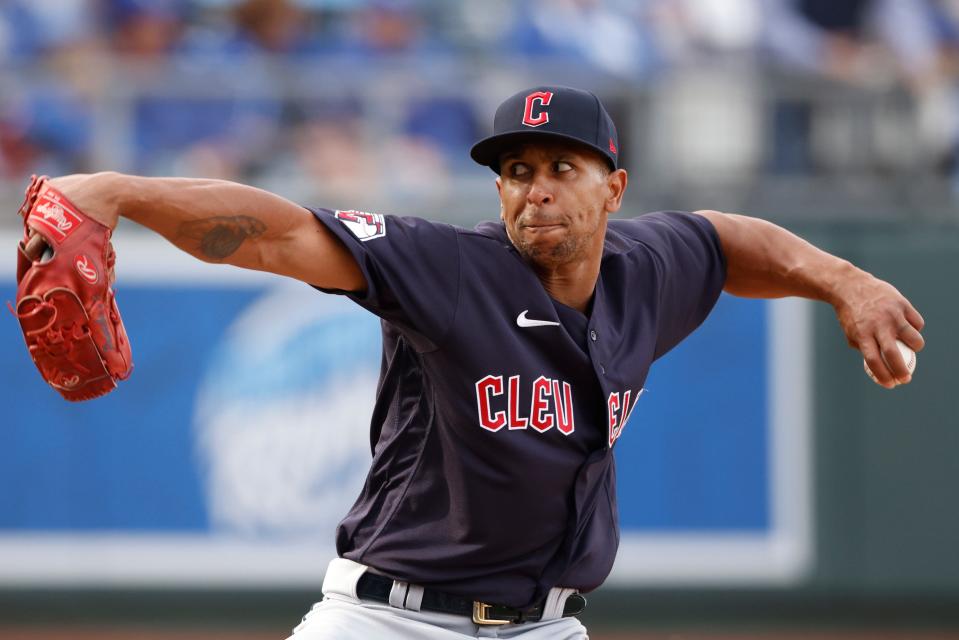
point(908, 355)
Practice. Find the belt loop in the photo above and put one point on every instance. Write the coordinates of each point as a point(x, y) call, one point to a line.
point(414, 597)
point(342, 576)
point(555, 602)
point(398, 594)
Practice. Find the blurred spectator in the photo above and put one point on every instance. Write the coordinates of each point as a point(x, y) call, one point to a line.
point(275, 27)
point(47, 129)
point(699, 30)
point(585, 32)
point(18, 154)
point(231, 136)
point(331, 153)
point(14, 37)
point(46, 124)
point(379, 30)
point(706, 104)
point(32, 28)
point(221, 135)
point(60, 126)
point(846, 40)
point(413, 169)
point(434, 128)
point(879, 44)
point(145, 29)
point(448, 123)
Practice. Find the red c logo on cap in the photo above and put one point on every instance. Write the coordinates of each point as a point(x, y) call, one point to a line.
point(542, 116)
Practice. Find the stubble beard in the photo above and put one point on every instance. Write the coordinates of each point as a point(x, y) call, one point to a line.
point(559, 253)
point(569, 249)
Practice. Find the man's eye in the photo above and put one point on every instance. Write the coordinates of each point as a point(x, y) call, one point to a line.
point(519, 170)
point(563, 166)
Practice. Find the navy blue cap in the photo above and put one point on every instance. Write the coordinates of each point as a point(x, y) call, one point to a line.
point(557, 112)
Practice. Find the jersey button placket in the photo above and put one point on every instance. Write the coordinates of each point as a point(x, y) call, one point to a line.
point(594, 337)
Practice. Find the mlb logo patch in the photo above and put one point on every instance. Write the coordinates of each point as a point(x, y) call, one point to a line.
point(363, 225)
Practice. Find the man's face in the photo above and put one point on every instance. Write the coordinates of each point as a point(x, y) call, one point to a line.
point(555, 199)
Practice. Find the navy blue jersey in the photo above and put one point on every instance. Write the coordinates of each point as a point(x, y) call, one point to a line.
point(498, 407)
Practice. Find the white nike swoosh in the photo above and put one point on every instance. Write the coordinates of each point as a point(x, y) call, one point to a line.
point(523, 321)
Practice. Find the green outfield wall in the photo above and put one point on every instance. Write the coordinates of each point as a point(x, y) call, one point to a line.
point(887, 462)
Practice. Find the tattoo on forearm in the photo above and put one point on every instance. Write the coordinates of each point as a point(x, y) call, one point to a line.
point(220, 236)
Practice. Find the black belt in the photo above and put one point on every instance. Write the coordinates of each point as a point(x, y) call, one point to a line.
point(372, 586)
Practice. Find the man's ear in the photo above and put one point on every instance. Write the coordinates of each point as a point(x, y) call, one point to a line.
point(499, 190)
point(616, 184)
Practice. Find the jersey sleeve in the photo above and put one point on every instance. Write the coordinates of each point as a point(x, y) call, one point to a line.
point(691, 272)
point(411, 267)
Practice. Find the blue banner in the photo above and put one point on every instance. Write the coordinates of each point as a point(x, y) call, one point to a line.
point(246, 419)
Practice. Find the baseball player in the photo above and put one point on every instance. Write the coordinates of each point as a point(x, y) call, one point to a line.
point(513, 355)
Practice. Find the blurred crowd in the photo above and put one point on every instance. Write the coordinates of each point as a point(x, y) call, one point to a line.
point(391, 93)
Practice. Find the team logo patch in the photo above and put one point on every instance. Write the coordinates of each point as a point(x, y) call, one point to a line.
point(363, 225)
point(535, 113)
point(86, 269)
point(56, 216)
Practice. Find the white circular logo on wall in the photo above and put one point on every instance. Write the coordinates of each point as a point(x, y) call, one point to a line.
point(282, 414)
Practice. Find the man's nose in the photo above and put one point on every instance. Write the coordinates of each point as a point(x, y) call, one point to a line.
point(540, 192)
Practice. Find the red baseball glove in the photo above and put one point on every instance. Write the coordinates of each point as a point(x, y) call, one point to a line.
point(65, 302)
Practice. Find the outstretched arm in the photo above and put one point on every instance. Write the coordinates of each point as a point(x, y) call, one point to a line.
point(766, 261)
point(222, 222)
